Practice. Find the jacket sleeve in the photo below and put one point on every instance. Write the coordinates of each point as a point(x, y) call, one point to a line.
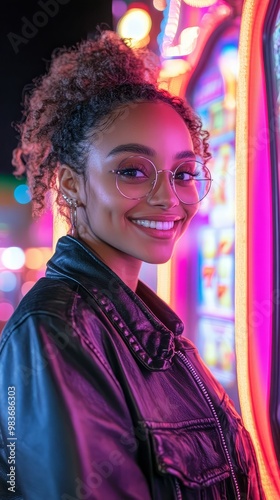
point(66, 433)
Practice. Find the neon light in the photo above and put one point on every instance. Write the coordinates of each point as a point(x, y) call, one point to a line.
point(164, 281)
point(228, 63)
point(173, 67)
point(60, 226)
point(187, 39)
point(169, 25)
point(200, 3)
point(253, 340)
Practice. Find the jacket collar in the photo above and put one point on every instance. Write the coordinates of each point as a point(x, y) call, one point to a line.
point(146, 323)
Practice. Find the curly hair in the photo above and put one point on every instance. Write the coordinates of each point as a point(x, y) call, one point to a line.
point(77, 99)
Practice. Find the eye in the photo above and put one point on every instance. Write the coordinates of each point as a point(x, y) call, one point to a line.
point(134, 170)
point(183, 176)
point(187, 171)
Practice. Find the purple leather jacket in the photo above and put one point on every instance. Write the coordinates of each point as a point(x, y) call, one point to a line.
point(111, 401)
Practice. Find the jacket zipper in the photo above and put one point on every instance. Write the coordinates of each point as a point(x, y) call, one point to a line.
point(178, 490)
point(210, 403)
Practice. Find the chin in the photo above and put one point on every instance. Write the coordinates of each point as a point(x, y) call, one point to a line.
point(157, 259)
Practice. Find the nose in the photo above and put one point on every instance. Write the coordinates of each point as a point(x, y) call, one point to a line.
point(163, 193)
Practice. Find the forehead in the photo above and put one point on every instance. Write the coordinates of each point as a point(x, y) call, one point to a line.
point(156, 125)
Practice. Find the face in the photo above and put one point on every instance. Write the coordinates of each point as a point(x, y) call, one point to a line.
point(145, 229)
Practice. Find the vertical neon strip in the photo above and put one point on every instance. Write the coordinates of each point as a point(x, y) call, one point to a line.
point(60, 227)
point(254, 236)
point(164, 281)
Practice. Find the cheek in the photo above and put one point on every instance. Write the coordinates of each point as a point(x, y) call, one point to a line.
point(98, 195)
point(108, 205)
point(191, 211)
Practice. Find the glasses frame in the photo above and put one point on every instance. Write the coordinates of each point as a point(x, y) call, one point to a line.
point(172, 178)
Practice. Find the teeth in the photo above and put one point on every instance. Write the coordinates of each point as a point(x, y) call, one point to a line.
point(161, 225)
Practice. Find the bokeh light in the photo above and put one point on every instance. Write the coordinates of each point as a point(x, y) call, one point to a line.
point(40, 274)
point(31, 275)
point(13, 258)
point(27, 286)
point(173, 67)
point(119, 7)
point(135, 24)
point(160, 4)
point(8, 281)
point(22, 194)
point(6, 310)
point(34, 258)
point(4, 229)
point(47, 253)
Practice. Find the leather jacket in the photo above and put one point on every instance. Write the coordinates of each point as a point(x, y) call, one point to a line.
point(111, 401)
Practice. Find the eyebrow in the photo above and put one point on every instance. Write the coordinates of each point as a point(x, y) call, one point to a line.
point(146, 150)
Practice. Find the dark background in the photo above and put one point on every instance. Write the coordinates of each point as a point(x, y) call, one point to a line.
point(64, 23)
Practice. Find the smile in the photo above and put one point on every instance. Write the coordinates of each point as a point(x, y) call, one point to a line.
point(160, 225)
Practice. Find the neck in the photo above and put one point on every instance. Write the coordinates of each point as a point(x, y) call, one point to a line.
point(125, 266)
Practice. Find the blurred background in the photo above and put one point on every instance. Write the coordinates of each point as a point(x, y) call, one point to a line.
point(223, 56)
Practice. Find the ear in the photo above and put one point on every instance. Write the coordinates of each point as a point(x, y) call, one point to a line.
point(70, 183)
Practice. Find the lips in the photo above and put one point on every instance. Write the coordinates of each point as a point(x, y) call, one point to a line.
point(153, 224)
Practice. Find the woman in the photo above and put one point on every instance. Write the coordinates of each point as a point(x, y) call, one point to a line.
point(111, 401)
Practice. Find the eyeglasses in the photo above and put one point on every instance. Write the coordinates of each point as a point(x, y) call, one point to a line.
point(136, 177)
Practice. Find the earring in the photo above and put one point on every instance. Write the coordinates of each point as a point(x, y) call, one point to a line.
point(73, 212)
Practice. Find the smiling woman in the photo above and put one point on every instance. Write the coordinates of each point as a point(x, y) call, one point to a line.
point(120, 219)
point(110, 398)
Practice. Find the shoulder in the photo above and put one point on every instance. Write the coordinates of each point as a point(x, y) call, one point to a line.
point(49, 296)
point(52, 309)
point(54, 328)
point(40, 302)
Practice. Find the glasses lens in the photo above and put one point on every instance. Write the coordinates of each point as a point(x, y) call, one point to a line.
point(135, 177)
point(192, 181)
